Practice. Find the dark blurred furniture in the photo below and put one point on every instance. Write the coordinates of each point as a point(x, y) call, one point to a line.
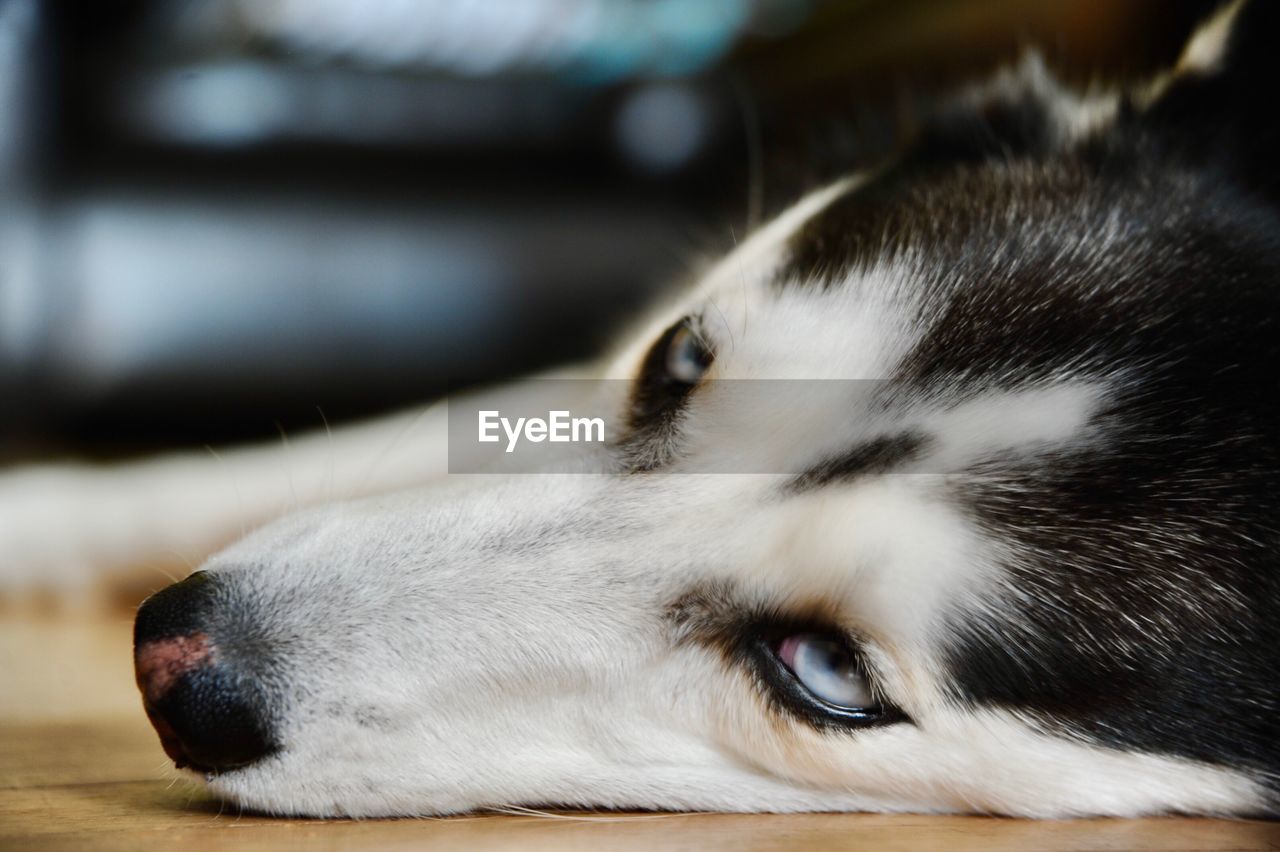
point(218, 216)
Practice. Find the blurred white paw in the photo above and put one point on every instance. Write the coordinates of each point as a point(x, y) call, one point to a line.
point(69, 532)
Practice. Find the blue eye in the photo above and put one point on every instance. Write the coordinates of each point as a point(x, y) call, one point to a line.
point(687, 358)
point(827, 669)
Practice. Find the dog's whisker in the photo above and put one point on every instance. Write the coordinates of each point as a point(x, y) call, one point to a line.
point(288, 466)
point(387, 450)
point(333, 454)
point(744, 285)
point(754, 135)
point(522, 810)
point(235, 485)
point(161, 569)
point(728, 326)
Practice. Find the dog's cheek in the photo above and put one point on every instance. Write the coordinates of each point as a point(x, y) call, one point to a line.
point(741, 719)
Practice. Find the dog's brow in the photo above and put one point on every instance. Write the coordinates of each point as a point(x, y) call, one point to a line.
point(878, 455)
point(709, 613)
point(717, 613)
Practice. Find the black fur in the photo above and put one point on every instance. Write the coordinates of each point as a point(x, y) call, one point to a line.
point(880, 455)
point(1142, 599)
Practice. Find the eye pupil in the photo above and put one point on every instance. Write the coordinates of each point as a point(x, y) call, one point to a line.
point(687, 358)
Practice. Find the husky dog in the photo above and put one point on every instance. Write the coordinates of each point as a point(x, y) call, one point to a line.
point(1032, 571)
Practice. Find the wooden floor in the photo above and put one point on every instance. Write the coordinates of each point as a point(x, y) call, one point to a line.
point(80, 768)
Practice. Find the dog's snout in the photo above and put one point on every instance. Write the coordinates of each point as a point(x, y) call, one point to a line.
point(206, 712)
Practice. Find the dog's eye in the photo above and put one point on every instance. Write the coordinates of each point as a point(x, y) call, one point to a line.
point(828, 670)
point(687, 358)
point(672, 369)
point(818, 676)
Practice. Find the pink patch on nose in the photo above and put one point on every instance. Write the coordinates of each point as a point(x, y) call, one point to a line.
point(160, 663)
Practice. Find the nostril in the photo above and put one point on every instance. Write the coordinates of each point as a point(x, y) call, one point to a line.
point(208, 720)
point(208, 715)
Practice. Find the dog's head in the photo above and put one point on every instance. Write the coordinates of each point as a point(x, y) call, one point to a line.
point(1021, 559)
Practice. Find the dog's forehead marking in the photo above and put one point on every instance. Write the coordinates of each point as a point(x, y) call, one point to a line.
point(759, 256)
point(1046, 417)
point(748, 266)
point(939, 438)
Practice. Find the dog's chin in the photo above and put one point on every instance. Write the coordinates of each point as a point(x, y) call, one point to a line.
point(277, 792)
point(291, 792)
point(266, 793)
point(277, 788)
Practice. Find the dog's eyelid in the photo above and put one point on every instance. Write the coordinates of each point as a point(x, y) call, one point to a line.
point(870, 663)
point(697, 325)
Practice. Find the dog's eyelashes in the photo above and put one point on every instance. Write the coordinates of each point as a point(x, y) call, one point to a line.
point(687, 357)
point(827, 669)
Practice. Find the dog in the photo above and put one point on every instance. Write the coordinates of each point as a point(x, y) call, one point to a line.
point(1017, 556)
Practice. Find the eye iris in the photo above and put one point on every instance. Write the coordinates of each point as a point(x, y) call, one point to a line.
point(827, 670)
point(687, 360)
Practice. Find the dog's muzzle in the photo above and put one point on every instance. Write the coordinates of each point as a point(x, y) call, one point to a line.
point(206, 711)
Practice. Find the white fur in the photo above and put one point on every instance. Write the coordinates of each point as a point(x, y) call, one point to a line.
point(547, 674)
point(1205, 52)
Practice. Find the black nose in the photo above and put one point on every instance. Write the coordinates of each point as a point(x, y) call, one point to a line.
point(210, 716)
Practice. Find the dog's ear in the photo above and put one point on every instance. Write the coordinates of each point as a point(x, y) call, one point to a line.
point(1218, 103)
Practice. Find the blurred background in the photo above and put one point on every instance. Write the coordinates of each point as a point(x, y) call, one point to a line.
point(219, 218)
